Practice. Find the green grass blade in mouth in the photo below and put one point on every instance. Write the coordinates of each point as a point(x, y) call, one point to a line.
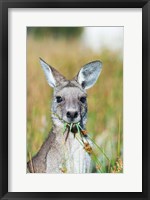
point(80, 126)
point(64, 129)
point(71, 126)
point(77, 125)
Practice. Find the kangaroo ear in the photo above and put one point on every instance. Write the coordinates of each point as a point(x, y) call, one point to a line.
point(89, 74)
point(53, 77)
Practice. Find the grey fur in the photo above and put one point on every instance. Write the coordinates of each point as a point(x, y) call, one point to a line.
point(56, 154)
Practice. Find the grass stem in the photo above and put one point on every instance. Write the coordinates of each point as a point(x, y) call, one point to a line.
point(118, 138)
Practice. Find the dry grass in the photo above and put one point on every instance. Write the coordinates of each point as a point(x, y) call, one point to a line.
point(105, 99)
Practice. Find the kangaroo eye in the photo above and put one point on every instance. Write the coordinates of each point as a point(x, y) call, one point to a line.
point(83, 99)
point(59, 99)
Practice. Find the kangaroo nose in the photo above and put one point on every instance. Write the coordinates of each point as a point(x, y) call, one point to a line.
point(72, 114)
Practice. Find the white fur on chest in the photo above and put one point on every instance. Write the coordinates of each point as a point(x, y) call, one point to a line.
point(69, 156)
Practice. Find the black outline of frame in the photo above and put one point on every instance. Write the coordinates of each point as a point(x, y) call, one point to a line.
point(4, 6)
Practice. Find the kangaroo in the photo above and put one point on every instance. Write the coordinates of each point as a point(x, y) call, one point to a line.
point(62, 153)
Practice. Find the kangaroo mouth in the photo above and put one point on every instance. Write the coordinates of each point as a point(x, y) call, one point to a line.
point(69, 126)
point(73, 127)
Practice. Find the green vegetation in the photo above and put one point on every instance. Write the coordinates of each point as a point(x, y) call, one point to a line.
point(56, 32)
point(105, 98)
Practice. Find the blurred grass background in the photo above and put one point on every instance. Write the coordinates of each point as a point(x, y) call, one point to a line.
point(63, 49)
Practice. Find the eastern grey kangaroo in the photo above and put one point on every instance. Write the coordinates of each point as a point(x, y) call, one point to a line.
point(62, 153)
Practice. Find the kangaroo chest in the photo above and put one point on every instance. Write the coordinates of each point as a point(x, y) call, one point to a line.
point(67, 157)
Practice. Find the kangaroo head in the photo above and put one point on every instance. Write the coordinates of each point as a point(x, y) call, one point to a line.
point(70, 96)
